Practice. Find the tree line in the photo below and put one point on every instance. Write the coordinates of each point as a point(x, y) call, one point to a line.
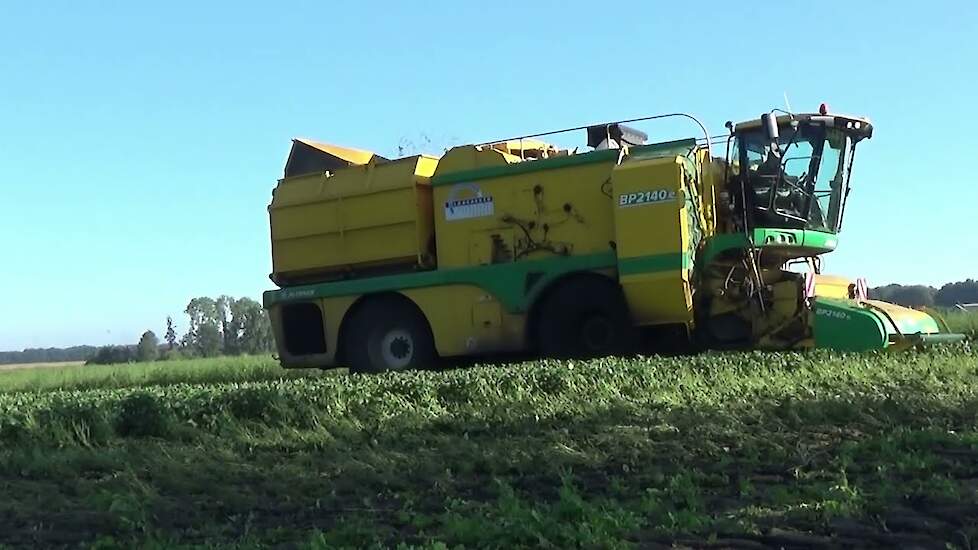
point(215, 326)
point(949, 295)
point(47, 355)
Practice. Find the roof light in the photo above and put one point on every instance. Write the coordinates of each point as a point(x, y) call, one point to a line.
point(823, 109)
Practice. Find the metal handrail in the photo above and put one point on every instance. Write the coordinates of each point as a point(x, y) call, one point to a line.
point(654, 117)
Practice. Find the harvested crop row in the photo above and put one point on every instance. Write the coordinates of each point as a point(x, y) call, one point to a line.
point(160, 373)
point(737, 382)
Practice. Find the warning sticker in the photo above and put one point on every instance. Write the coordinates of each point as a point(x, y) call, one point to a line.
point(469, 208)
point(467, 201)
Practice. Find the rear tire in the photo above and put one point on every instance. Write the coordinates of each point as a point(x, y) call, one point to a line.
point(388, 334)
point(583, 318)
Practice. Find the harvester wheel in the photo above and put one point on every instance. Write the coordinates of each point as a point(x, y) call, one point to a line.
point(584, 317)
point(388, 334)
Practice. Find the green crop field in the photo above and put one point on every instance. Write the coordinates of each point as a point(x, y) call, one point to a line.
point(21, 366)
point(747, 450)
point(963, 322)
point(161, 373)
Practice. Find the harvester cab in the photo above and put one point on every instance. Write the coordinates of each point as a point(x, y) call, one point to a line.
point(792, 171)
point(781, 202)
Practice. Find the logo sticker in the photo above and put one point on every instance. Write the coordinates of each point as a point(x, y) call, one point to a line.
point(832, 313)
point(645, 197)
point(467, 201)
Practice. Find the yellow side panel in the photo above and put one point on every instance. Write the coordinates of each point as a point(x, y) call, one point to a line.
point(527, 216)
point(466, 320)
point(652, 236)
point(470, 157)
point(361, 215)
point(361, 230)
point(656, 299)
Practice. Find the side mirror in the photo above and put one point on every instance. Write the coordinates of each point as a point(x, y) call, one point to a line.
point(770, 125)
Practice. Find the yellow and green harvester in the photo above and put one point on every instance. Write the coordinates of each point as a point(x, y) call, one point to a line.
point(518, 246)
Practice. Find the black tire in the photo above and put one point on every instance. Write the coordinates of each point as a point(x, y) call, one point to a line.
point(722, 332)
point(388, 334)
point(584, 317)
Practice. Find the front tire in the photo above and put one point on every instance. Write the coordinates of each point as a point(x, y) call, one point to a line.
point(388, 334)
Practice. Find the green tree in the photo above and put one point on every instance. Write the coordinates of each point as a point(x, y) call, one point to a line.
point(208, 340)
point(202, 311)
point(171, 334)
point(914, 296)
point(911, 295)
point(256, 330)
point(230, 333)
point(108, 355)
point(148, 348)
point(48, 355)
point(883, 292)
point(237, 325)
point(962, 292)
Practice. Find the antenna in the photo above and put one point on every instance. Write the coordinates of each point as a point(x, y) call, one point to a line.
point(786, 104)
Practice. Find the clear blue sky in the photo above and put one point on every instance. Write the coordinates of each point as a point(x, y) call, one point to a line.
point(139, 144)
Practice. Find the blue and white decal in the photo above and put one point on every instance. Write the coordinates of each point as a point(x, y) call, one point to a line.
point(466, 201)
point(640, 198)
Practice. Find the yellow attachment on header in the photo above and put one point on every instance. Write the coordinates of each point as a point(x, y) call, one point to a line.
point(832, 286)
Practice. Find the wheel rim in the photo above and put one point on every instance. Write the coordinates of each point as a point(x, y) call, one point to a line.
point(397, 349)
point(597, 334)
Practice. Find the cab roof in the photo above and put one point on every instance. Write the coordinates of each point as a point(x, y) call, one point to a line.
point(860, 126)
